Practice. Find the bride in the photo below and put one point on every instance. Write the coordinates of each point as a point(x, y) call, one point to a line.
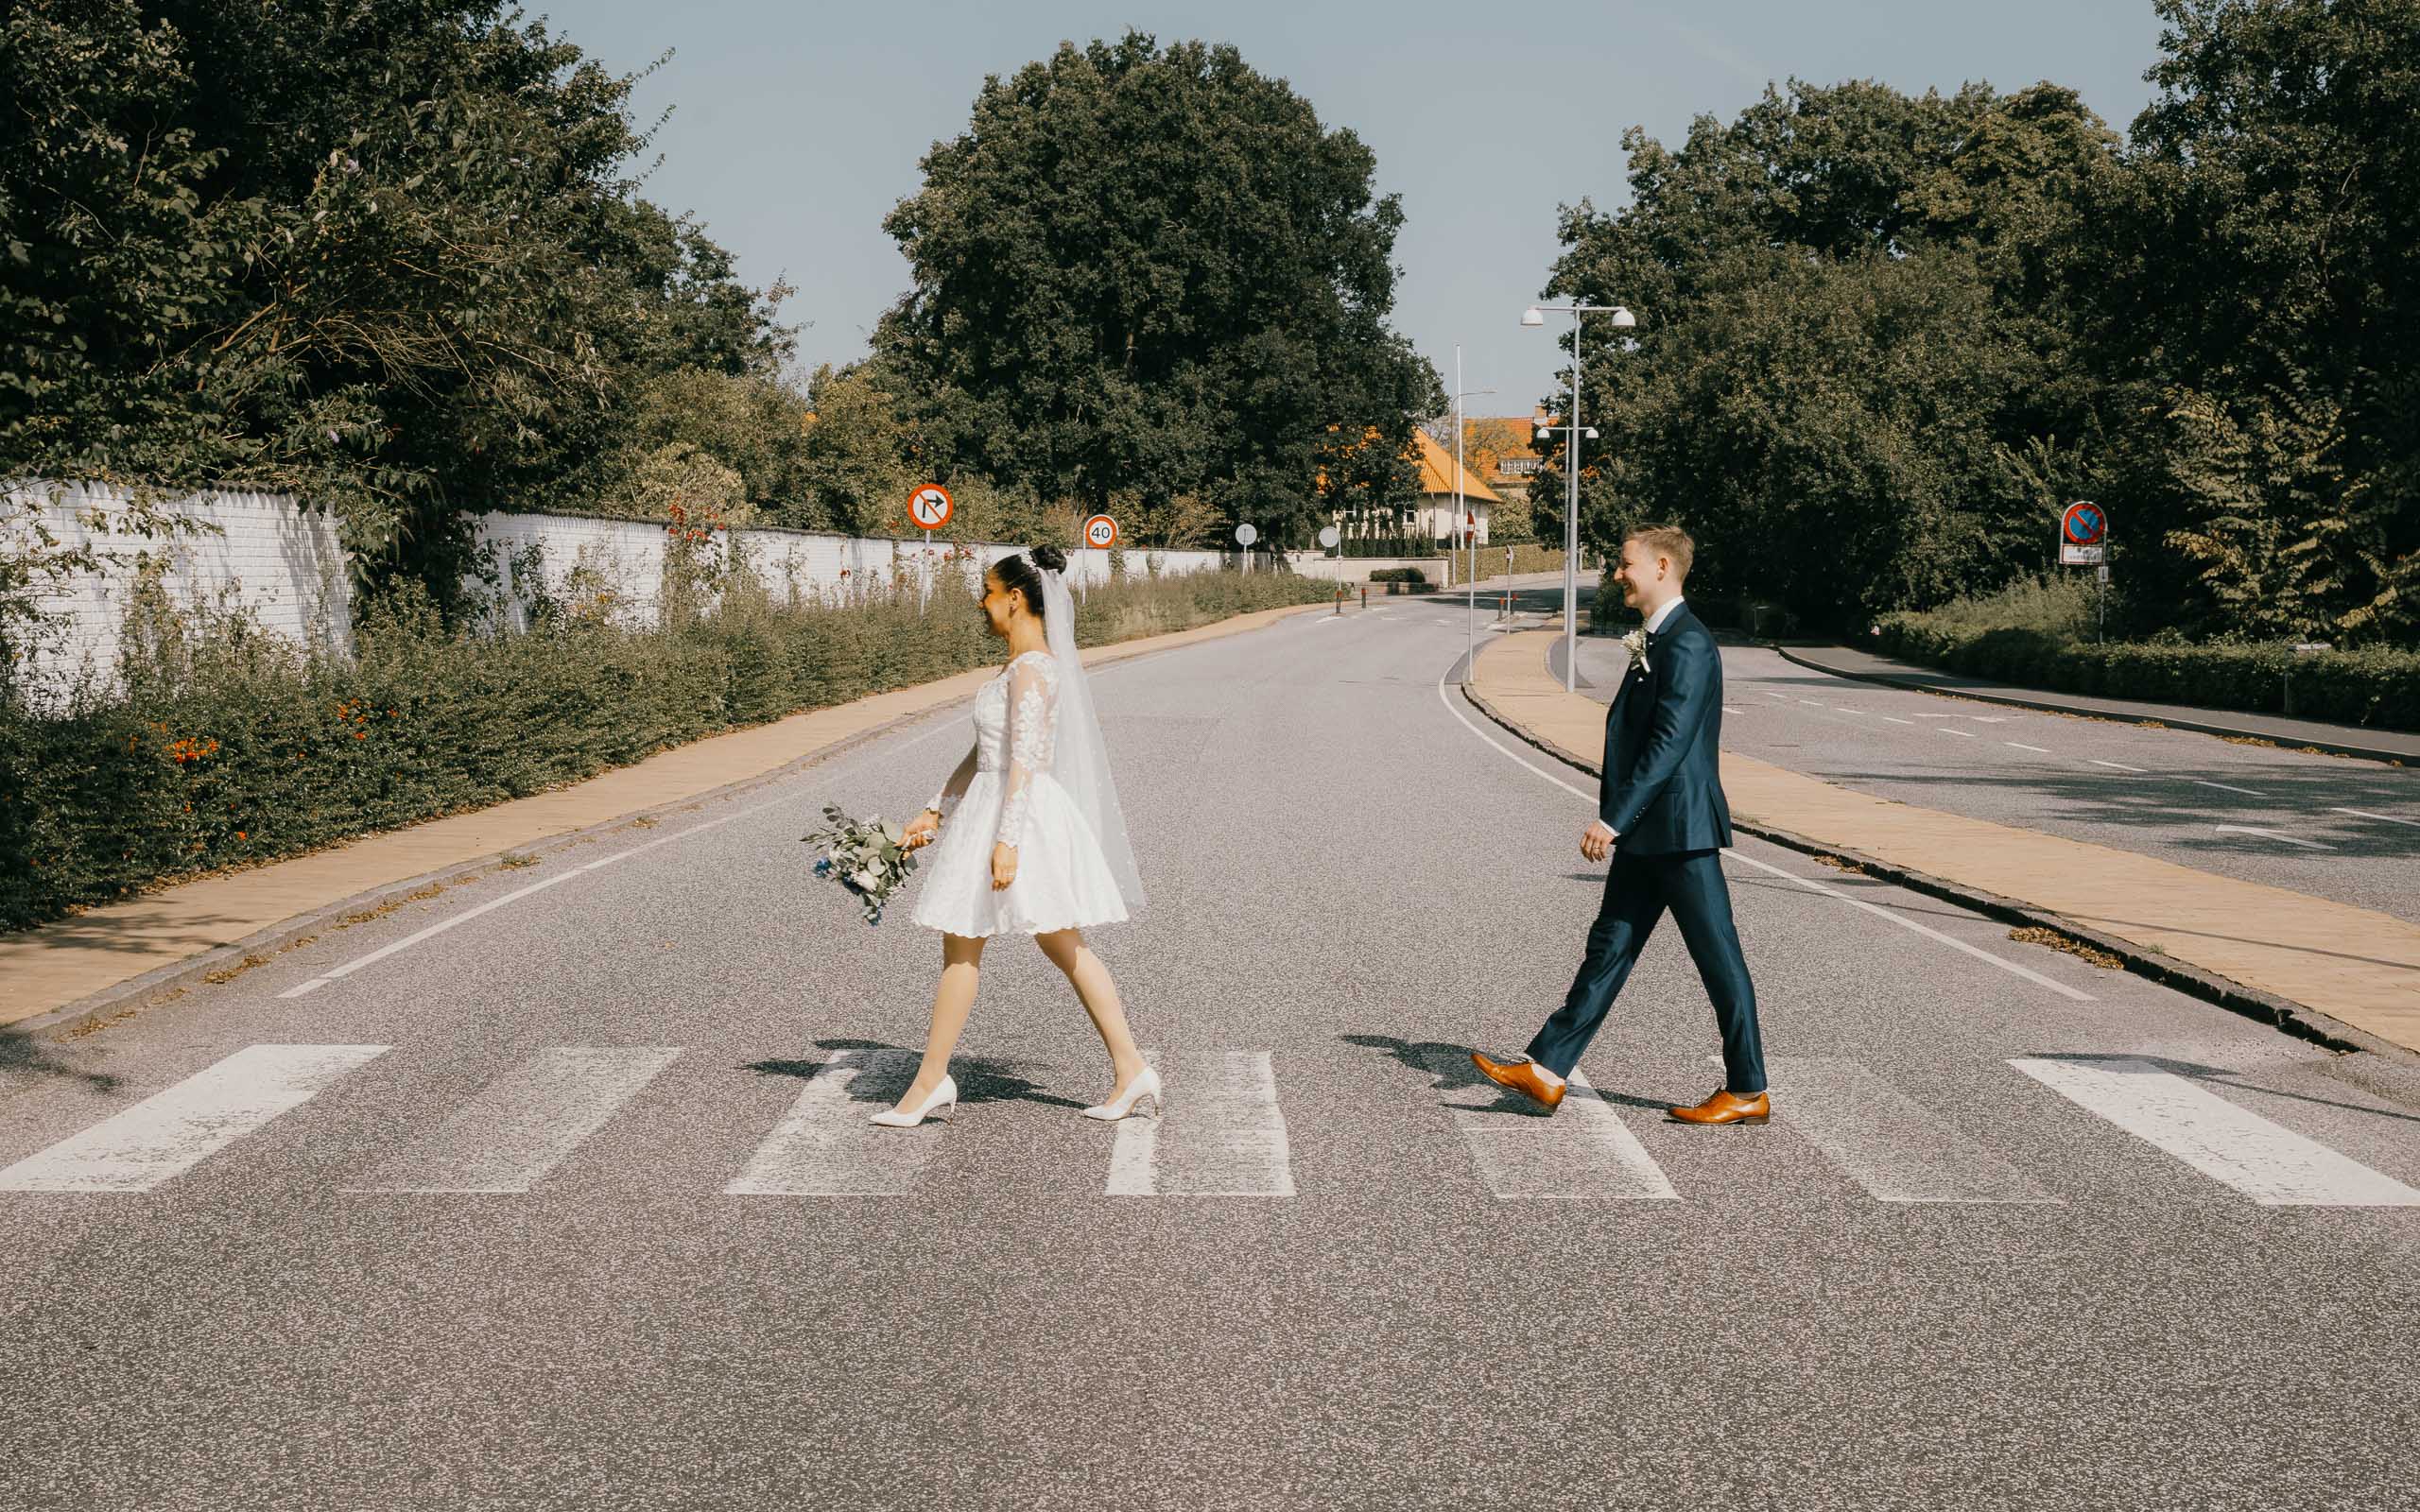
point(1028, 837)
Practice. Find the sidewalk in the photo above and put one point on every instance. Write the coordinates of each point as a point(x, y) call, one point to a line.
point(2278, 954)
point(153, 944)
point(2340, 740)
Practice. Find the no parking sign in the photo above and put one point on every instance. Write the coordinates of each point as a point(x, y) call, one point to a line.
point(2083, 534)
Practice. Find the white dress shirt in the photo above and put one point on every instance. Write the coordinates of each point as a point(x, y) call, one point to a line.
point(1655, 621)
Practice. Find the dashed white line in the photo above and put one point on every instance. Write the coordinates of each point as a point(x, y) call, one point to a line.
point(1962, 734)
point(1811, 703)
point(2383, 818)
point(1897, 721)
point(2117, 766)
point(2040, 751)
point(2225, 787)
point(1909, 924)
point(2273, 834)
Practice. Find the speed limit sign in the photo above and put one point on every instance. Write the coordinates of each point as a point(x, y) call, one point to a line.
point(930, 506)
point(1100, 532)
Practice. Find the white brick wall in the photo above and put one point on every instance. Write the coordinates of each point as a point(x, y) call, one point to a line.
point(627, 556)
point(285, 564)
point(282, 563)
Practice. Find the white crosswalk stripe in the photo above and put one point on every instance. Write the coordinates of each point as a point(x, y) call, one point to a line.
point(172, 1131)
point(525, 1122)
point(2271, 1164)
point(1584, 1151)
point(1884, 1140)
point(825, 1148)
point(1222, 1134)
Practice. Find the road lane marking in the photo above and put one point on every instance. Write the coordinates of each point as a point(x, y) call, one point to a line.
point(1885, 1141)
point(2383, 818)
point(1844, 709)
point(2117, 766)
point(335, 973)
point(1962, 734)
point(824, 1147)
point(2038, 750)
point(525, 1122)
point(1728, 709)
point(2011, 967)
point(1221, 1135)
point(1584, 1151)
point(2271, 1164)
point(2245, 791)
point(2272, 834)
point(171, 1131)
point(1810, 703)
point(1894, 719)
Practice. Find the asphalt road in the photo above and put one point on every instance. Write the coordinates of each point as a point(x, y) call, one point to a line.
point(2330, 826)
point(2023, 1233)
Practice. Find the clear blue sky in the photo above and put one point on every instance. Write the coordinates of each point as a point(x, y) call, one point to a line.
point(797, 127)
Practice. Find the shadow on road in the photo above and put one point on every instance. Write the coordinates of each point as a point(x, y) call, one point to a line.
point(979, 1079)
point(1450, 1066)
point(23, 1058)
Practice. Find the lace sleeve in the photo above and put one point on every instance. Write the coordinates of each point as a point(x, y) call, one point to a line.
point(1033, 712)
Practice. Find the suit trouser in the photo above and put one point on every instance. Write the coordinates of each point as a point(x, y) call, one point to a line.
point(1638, 891)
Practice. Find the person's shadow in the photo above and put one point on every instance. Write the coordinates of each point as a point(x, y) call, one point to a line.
point(979, 1079)
point(1449, 1068)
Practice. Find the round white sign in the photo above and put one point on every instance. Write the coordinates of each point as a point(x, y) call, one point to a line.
point(930, 506)
point(1100, 532)
point(1330, 536)
point(1246, 534)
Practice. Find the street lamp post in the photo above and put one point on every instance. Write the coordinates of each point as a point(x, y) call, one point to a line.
point(1462, 508)
point(1623, 319)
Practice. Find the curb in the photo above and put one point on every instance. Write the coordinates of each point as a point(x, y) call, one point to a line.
point(2043, 706)
point(164, 984)
point(2282, 1014)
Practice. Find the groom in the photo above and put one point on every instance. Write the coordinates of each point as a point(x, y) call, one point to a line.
point(1661, 814)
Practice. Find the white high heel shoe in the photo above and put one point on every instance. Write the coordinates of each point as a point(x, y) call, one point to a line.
point(944, 1096)
point(1145, 1085)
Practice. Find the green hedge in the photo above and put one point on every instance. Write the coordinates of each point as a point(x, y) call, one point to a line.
point(228, 747)
point(2378, 688)
point(1397, 575)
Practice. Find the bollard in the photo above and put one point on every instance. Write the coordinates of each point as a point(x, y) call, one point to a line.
point(1365, 595)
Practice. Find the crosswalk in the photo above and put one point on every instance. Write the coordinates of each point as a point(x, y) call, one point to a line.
point(1224, 1132)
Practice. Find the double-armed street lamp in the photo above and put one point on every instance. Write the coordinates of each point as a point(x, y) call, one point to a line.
point(1623, 320)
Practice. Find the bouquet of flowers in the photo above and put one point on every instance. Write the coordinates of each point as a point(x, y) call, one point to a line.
point(867, 856)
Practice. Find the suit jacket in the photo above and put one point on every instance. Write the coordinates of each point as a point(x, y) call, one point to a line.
point(1662, 789)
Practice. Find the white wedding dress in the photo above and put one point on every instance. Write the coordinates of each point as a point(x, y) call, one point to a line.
point(1004, 793)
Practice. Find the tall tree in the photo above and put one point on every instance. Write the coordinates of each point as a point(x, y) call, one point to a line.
point(1152, 271)
point(383, 257)
point(2261, 267)
point(1851, 327)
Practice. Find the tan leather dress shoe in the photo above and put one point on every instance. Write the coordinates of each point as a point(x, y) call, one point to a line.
point(1522, 1076)
point(1724, 1107)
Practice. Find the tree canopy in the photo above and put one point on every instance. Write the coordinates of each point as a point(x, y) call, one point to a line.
point(1884, 337)
point(384, 257)
point(1150, 272)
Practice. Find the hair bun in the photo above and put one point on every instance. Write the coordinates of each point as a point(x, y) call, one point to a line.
point(1050, 559)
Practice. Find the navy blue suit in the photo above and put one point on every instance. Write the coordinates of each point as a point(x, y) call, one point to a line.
point(1661, 795)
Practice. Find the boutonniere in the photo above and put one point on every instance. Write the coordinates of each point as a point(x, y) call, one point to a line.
point(1635, 644)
